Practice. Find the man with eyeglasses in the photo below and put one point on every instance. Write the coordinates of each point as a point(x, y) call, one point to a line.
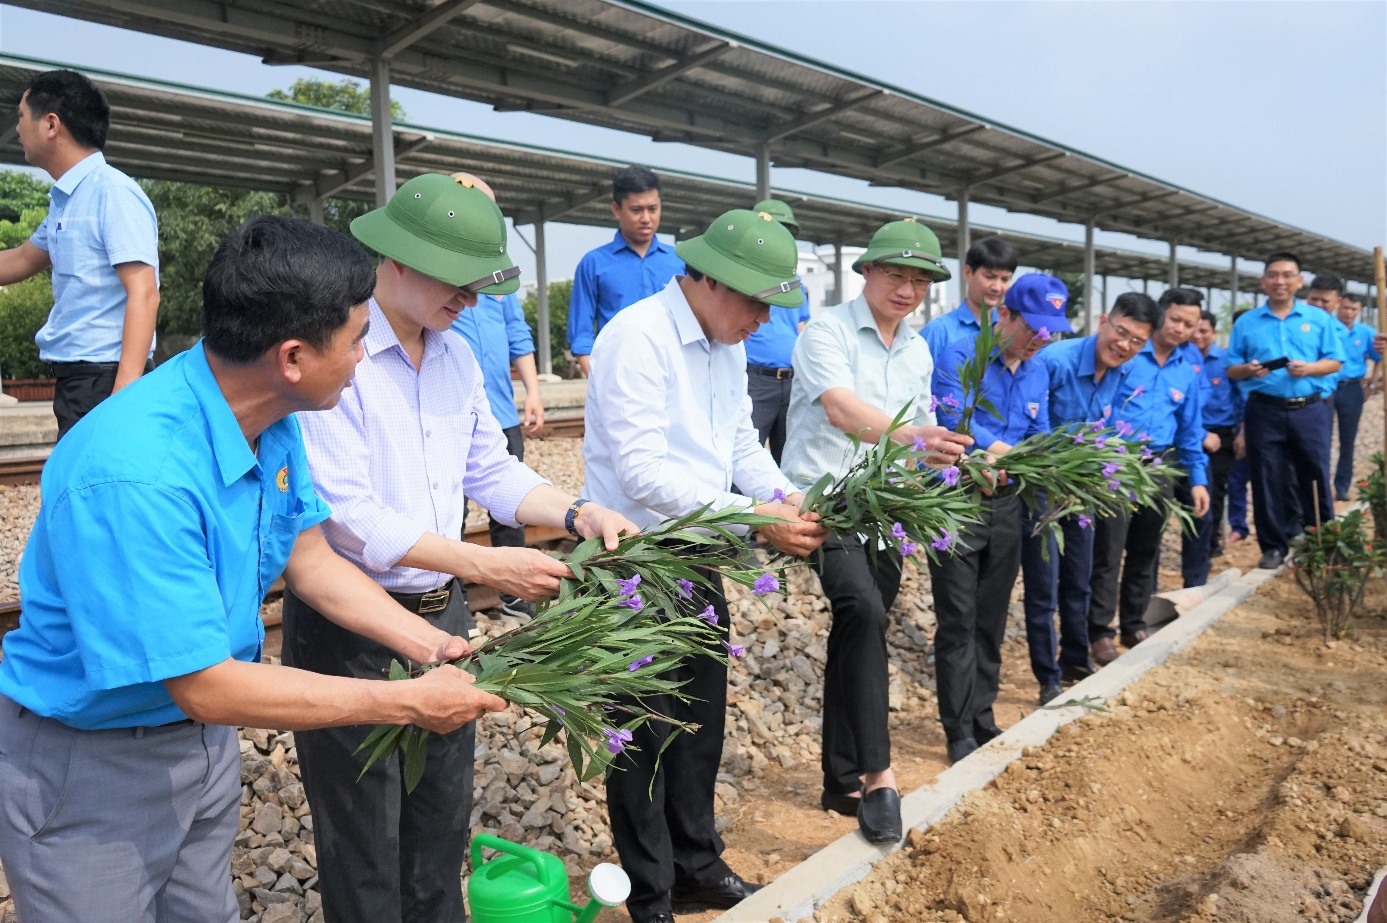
point(394, 459)
point(1286, 355)
point(858, 364)
point(1086, 376)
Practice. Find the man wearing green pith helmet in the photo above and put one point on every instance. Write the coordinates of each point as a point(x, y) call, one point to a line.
point(668, 431)
point(857, 364)
point(394, 459)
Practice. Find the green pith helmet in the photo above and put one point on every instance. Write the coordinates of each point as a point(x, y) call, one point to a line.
point(446, 229)
point(780, 212)
point(749, 252)
point(905, 243)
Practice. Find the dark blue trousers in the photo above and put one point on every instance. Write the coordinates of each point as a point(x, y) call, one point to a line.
point(1277, 435)
point(1237, 497)
point(1061, 584)
point(1348, 407)
point(1197, 547)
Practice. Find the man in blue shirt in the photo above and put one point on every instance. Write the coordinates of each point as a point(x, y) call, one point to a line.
point(101, 240)
point(1086, 375)
point(1221, 408)
point(987, 270)
point(633, 266)
point(1360, 360)
point(972, 588)
point(1287, 414)
point(1159, 400)
point(165, 518)
point(769, 370)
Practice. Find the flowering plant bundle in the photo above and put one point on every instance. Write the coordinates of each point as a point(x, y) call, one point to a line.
point(892, 499)
point(594, 658)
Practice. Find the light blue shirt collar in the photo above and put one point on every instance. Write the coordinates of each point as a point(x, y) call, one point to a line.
point(78, 172)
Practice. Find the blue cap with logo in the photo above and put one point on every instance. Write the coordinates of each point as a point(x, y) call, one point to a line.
point(1040, 300)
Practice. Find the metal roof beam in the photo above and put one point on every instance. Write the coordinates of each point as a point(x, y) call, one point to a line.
point(401, 38)
point(891, 158)
point(638, 86)
point(1079, 187)
point(1133, 203)
point(978, 179)
point(819, 115)
point(553, 209)
point(320, 187)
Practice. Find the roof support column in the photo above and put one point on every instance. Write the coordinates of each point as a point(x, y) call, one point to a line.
point(763, 172)
point(382, 137)
point(1233, 288)
point(838, 273)
point(1092, 306)
point(1174, 265)
point(315, 209)
point(543, 347)
point(1103, 301)
point(963, 237)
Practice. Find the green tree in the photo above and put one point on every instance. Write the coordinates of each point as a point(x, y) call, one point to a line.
point(559, 293)
point(24, 306)
point(343, 96)
point(21, 192)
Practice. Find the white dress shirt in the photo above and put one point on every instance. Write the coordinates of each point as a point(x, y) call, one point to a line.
point(395, 456)
point(669, 418)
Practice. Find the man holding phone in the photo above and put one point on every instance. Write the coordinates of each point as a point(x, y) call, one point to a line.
point(1286, 355)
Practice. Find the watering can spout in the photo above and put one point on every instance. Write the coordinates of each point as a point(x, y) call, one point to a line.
point(609, 887)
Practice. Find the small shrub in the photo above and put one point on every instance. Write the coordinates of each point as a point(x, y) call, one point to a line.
point(559, 293)
point(1332, 564)
point(24, 308)
point(1373, 492)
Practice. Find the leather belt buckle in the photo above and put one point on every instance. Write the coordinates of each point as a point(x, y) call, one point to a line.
point(784, 373)
point(436, 601)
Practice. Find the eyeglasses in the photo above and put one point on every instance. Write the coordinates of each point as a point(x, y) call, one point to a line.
point(496, 278)
point(1126, 336)
point(897, 279)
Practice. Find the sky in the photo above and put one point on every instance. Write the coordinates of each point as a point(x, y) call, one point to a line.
point(1276, 107)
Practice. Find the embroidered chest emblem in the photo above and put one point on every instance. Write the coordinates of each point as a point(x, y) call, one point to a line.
point(1218, 381)
point(1032, 408)
point(282, 480)
point(1177, 395)
point(1304, 328)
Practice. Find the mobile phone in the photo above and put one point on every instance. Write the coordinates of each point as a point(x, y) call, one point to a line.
point(1271, 365)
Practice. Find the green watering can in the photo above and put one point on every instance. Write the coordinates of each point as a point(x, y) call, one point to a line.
point(529, 886)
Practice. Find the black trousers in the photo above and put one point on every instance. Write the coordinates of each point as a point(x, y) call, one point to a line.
point(1197, 548)
point(770, 405)
point(80, 387)
point(662, 818)
point(383, 856)
point(972, 595)
point(1131, 546)
point(503, 536)
point(861, 592)
point(1278, 438)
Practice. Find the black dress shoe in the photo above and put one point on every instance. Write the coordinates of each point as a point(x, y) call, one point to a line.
point(879, 818)
point(722, 894)
point(1049, 693)
point(1135, 638)
point(845, 805)
point(1073, 673)
point(1271, 560)
point(958, 749)
point(986, 734)
point(657, 916)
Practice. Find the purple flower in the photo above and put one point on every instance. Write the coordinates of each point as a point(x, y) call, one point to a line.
point(766, 583)
point(897, 530)
point(919, 444)
point(944, 542)
point(950, 401)
point(616, 740)
point(628, 587)
point(734, 650)
point(908, 548)
point(1131, 495)
point(634, 603)
point(1084, 521)
point(1146, 454)
point(1101, 441)
point(1143, 437)
point(709, 616)
point(685, 590)
point(1078, 438)
point(1114, 485)
point(1110, 469)
point(643, 662)
point(950, 475)
point(559, 709)
point(1123, 428)
point(1120, 449)
point(1043, 334)
point(1096, 425)
point(1155, 461)
point(933, 403)
point(778, 496)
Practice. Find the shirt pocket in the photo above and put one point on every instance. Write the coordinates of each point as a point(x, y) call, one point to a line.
point(72, 247)
point(276, 545)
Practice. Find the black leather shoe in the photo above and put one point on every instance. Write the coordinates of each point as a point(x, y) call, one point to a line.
point(1072, 673)
point(1341, 495)
point(1135, 638)
point(845, 805)
point(958, 749)
point(722, 894)
point(985, 735)
point(879, 818)
point(1271, 560)
point(1049, 693)
point(657, 916)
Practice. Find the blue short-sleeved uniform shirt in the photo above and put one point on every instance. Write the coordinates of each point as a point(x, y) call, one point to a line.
point(1358, 348)
point(1163, 403)
point(1307, 333)
point(1222, 401)
point(773, 343)
point(159, 533)
point(1075, 397)
point(613, 277)
point(1021, 398)
point(497, 332)
point(97, 219)
point(947, 329)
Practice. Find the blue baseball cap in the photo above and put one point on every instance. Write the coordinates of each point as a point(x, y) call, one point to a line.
point(1040, 300)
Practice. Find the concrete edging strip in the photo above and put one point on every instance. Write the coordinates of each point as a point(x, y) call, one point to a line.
point(796, 894)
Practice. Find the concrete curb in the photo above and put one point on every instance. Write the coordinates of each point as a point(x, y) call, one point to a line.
point(796, 894)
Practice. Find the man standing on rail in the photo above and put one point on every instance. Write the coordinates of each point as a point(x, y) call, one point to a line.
point(165, 518)
point(668, 431)
point(861, 364)
point(633, 266)
point(393, 459)
point(101, 240)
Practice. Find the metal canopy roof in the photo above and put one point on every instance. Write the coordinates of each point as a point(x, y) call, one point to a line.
point(166, 131)
point(632, 66)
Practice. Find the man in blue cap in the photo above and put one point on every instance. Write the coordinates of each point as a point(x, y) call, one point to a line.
point(972, 588)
